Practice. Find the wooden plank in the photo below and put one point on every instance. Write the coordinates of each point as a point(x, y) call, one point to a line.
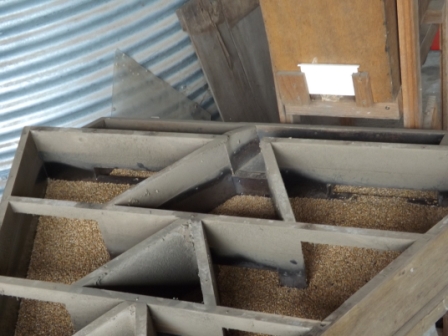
point(336, 34)
point(408, 27)
point(432, 119)
point(400, 290)
point(91, 148)
point(275, 130)
point(169, 316)
point(435, 13)
point(169, 126)
point(345, 109)
point(365, 164)
point(444, 69)
point(204, 165)
point(249, 36)
point(116, 322)
point(205, 266)
point(427, 36)
point(363, 89)
point(230, 41)
point(422, 8)
point(157, 219)
point(276, 185)
point(427, 316)
point(293, 88)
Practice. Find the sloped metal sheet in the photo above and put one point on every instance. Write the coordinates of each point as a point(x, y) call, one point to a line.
point(135, 88)
point(56, 60)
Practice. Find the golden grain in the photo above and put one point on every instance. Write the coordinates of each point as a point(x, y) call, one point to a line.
point(64, 251)
point(131, 173)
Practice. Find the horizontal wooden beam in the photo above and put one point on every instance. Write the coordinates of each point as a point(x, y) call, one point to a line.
point(344, 109)
point(427, 316)
point(365, 164)
point(91, 148)
point(363, 89)
point(169, 316)
point(117, 237)
point(414, 136)
point(226, 227)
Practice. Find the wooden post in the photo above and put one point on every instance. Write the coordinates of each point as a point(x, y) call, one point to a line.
point(444, 68)
point(408, 32)
point(363, 90)
point(293, 88)
point(431, 117)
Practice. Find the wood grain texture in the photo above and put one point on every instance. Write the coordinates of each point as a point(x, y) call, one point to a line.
point(293, 88)
point(427, 35)
point(345, 110)
point(363, 89)
point(422, 8)
point(418, 283)
point(336, 33)
point(432, 118)
point(230, 41)
point(426, 317)
point(435, 13)
point(408, 24)
point(444, 69)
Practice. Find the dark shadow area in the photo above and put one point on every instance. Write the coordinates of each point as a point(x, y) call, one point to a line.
point(187, 292)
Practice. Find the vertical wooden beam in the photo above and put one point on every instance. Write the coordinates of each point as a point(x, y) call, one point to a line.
point(363, 89)
point(444, 68)
point(293, 88)
point(230, 41)
point(277, 188)
point(205, 265)
point(408, 28)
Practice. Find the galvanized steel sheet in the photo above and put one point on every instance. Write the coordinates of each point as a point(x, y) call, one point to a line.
point(56, 60)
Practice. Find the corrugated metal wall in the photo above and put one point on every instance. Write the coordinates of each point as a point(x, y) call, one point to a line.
point(56, 60)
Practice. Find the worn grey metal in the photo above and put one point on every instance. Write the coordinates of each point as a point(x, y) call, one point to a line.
point(139, 94)
point(56, 61)
point(164, 220)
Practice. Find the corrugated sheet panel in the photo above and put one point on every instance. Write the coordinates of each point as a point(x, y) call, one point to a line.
point(56, 60)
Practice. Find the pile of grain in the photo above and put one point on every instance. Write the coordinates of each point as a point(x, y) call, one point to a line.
point(64, 251)
point(385, 192)
point(334, 274)
point(247, 206)
point(363, 211)
point(84, 191)
point(131, 173)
